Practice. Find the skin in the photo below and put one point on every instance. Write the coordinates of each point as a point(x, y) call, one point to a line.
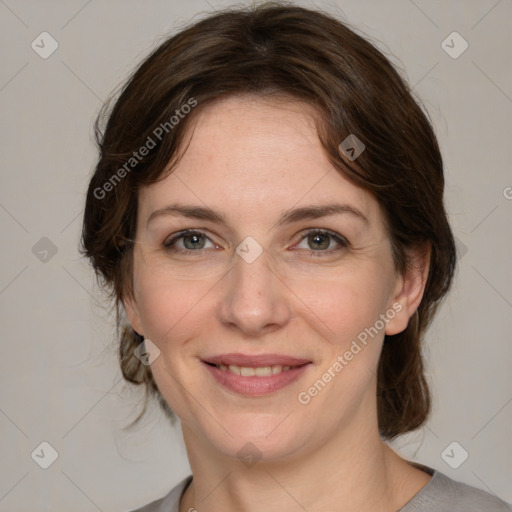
point(251, 159)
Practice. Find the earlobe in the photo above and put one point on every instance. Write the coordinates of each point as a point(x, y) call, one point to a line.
point(132, 313)
point(409, 289)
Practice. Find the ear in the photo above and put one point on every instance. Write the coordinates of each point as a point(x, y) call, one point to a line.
point(132, 313)
point(409, 289)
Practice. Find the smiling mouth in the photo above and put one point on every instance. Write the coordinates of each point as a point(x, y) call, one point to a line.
point(255, 375)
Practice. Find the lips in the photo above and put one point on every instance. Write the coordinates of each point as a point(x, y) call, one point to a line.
point(255, 375)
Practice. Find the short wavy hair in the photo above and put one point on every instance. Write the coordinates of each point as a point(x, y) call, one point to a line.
point(279, 50)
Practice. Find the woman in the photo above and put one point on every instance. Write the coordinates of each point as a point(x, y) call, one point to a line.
point(268, 212)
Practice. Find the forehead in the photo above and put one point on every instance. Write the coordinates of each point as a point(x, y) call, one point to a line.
point(256, 154)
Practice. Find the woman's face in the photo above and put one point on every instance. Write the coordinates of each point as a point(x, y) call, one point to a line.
point(271, 325)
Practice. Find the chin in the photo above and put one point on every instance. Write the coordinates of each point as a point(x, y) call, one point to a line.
point(252, 436)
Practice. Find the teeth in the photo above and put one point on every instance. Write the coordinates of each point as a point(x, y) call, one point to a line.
point(264, 371)
point(234, 369)
point(247, 372)
point(261, 371)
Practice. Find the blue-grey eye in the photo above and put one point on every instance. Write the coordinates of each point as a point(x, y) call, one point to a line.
point(188, 241)
point(194, 241)
point(320, 241)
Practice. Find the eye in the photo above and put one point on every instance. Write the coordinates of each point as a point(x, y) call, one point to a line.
point(320, 240)
point(188, 241)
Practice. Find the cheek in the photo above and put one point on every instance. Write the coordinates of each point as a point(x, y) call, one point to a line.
point(170, 310)
point(343, 304)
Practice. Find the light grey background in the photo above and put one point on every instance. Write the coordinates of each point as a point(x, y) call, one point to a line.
point(60, 380)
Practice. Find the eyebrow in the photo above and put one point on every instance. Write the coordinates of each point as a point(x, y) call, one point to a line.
point(288, 217)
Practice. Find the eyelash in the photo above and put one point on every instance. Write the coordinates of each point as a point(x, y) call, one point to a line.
point(342, 241)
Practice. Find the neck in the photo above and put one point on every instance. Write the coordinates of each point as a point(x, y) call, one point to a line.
point(351, 471)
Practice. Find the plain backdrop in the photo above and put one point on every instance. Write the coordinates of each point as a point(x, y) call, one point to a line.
point(60, 380)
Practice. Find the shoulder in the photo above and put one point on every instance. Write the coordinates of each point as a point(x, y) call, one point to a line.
point(442, 494)
point(170, 502)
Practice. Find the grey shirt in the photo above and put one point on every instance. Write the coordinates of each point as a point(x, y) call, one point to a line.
point(441, 494)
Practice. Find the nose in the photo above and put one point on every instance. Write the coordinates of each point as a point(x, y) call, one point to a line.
point(254, 298)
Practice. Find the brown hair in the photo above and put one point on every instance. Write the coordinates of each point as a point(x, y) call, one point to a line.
point(277, 49)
